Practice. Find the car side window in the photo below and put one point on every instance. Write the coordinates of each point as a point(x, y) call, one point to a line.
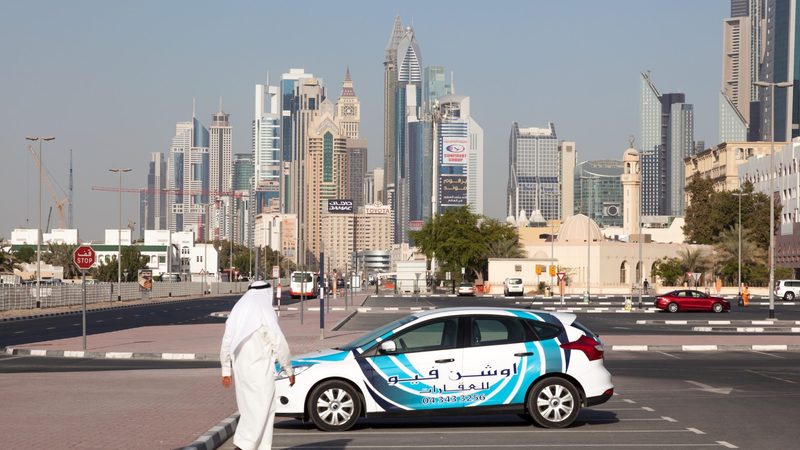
point(543, 330)
point(434, 335)
point(497, 331)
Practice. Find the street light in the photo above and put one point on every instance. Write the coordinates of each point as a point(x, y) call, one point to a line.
point(639, 225)
point(740, 194)
point(39, 231)
point(119, 171)
point(770, 287)
point(589, 211)
point(552, 241)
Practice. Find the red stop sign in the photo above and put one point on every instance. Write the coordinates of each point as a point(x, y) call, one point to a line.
point(84, 257)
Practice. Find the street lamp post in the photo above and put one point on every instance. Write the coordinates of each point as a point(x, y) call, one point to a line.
point(640, 275)
point(739, 266)
point(119, 171)
point(589, 210)
point(39, 231)
point(770, 287)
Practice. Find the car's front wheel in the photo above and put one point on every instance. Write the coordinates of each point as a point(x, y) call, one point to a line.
point(554, 403)
point(672, 307)
point(716, 307)
point(334, 406)
point(788, 296)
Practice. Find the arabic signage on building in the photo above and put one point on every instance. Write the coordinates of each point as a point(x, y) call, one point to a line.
point(453, 190)
point(454, 150)
point(340, 206)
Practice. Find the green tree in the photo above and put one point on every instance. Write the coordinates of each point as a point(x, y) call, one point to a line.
point(8, 262)
point(132, 262)
point(669, 270)
point(61, 255)
point(26, 254)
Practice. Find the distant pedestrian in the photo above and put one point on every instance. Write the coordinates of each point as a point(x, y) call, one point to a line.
point(745, 295)
point(646, 286)
point(252, 343)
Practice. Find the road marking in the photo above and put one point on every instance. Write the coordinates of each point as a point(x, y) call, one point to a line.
point(119, 355)
point(768, 354)
point(533, 431)
point(120, 318)
point(695, 431)
point(699, 348)
point(38, 352)
point(627, 400)
point(667, 354)
point(647, 408)
point(711, 389)
point(50, 328)
point(13, 357)
point(18, 332)
point(772, 378)
point(73, 354)
point(726, 444)
point(668, 419)
point(98, 321)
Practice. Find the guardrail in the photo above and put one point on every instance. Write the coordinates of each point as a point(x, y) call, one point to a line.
point(53, 296)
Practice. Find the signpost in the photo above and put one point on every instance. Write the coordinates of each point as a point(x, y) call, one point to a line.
point(561, 283)
point(84, 257)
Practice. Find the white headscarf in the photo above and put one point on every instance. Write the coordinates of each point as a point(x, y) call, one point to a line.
point(252, 311)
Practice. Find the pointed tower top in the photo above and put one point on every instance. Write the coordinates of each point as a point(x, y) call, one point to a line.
point(394, 40)
point(193, 108)
point(347, 85)
point(220, 105)
point(347, 74)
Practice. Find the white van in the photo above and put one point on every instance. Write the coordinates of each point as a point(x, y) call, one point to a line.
point(513, 286)
point(787, 289)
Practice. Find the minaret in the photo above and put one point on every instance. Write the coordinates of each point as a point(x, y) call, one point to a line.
point(631, 191)
point(348, 108)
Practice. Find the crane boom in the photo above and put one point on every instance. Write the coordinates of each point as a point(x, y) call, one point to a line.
point(58, 203)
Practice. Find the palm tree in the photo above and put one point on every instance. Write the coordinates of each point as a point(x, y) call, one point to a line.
point(61, 255)
point(7, 261)
point(727, 255)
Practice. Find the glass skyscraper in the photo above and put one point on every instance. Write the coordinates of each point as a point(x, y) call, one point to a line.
point(534, 172)
point(781, 63)
point(598, 191)
point(732, 125)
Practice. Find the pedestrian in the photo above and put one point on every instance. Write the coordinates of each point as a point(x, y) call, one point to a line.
point(745, 295)
point(251, 345)
point(646, 286)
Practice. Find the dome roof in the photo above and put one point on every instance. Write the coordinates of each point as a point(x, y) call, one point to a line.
point(630, 155)
point(574, 229)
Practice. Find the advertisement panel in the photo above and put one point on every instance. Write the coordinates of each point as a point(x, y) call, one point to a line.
point(453, 190)
point(340, 206)
point(454, 150)
point(145, 280)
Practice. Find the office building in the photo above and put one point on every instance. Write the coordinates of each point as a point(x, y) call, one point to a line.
point(219, 153)
point(348, 108)
point(266, 151)
point(780, 64)
point(155, 196)
point(278, 232)
point(534, 173)
point(373, 231)
point(188, 178)
point(732, 124)
point(357, 170)
point(373, 186)
point(289, 105)
point(390, 108)
point(598, 192)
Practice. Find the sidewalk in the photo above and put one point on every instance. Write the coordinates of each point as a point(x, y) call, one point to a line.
point(153, 409)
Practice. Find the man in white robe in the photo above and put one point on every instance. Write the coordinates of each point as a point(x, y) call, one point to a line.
point(251, 345)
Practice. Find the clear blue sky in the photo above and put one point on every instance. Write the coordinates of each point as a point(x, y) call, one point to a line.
point(110, 79)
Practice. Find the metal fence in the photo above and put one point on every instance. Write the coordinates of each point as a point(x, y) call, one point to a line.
point(53, 296)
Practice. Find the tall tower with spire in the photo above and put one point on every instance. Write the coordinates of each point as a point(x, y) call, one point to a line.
point(219, 152)
point(389, 109)
point(348, 108)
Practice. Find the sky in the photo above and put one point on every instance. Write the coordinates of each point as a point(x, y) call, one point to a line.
point(109, 80)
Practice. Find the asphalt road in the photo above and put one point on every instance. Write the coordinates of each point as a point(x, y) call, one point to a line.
point(33, 364)
point(678, 400)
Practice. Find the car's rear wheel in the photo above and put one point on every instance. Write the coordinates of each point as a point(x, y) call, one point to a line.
point(788, 296)
point(717, 307)
point(334, 406)
point(554, 403)
point(672, 307)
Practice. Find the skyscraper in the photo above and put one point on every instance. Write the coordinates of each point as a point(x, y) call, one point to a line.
point(598, 191)
point(188, 174)
point(357, 170)
point(389, 107)
point(219, 152)
point(667, 136)
point(534, 172)
point(289, 107)
point(348, 108)
point(266, 150)
point(155, 199)
point(732, 125)
point(243, 169)
point(780, 64)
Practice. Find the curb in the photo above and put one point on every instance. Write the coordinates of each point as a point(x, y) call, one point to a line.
point(167, 356)
point(217, 435)
point(343, 321)
point(748, 329)
point(707, 348)
point(772, 322)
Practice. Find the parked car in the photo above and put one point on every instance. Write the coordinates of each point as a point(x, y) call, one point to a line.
point(787, 289)
point(453, 360)
point(513, 286)
point(466, 289)
point(691, 300)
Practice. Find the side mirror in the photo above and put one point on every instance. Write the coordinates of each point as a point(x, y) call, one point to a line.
point(388, 347)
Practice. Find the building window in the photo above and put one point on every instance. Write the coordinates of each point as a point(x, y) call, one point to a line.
point(623, 272)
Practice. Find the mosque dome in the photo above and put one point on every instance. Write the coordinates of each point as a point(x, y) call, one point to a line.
point(574, 229)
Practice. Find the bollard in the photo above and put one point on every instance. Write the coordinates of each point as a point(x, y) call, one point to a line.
point(628, 304)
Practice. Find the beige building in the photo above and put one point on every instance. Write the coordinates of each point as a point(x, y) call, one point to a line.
point(278, 232)
point(721, 163)
point(568, 157)
point(631, 192)
point(374, 231)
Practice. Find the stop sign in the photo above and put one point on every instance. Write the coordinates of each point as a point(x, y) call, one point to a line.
point(84, 257)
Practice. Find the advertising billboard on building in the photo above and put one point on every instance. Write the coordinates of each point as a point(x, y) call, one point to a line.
point(340, 206)
point(453, 190)
point(454, 150)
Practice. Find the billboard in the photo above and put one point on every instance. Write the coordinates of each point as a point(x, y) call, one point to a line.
point(340, 206)
point(145, 279)
point(453, 190)
point(454, 150)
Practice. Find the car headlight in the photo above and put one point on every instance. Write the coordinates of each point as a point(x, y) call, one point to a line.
point(282, 375)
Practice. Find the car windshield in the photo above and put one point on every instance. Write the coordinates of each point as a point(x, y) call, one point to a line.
point(368, 338)
point(302, 277)
point(515, 281)
point(466, 285)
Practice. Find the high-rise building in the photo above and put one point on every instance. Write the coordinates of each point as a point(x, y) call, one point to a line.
point(266, 151)
point(732, 125)
point(459, 155)
point(369, 229)
point(404, 145)
point(289, 107)
point(348, 108)
point(155, 198)
point(667, 137)
point(357, 170)
point(434, 86)
point(242, 172)
point(220, 152)
point(780, 64)
point(598, 191)
point(188, 178)
point(373, 186)
point(568, 158)
point(325, 170)
point(742, 48)
point(534, 172)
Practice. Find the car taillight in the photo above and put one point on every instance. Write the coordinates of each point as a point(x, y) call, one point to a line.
point(589, 346)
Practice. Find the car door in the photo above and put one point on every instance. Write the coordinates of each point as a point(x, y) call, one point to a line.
point(499, 357)
point(417, 375)
point(699, 301)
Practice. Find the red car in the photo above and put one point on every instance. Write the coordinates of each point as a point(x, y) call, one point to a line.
point(691, 300)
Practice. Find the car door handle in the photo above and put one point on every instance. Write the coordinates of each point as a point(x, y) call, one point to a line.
point(524, 354)
point(442, 361)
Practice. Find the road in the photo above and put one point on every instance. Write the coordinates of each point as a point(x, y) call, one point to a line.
point(33, 364)
point(676, 400)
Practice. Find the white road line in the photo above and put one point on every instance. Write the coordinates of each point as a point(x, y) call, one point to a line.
point(627, 400)
point(120, 318)
point(772, 378)
point(13, 357)
point(18, 332)
point(769, 354)
point(726, 444)
point(647, 408)
point(98, 321)
point(50, 328)
point(667, 354)
point(695, 431)
point(527, 431)
point(668, 419)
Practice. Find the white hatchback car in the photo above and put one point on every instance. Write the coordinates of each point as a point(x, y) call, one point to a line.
point(513, 286)
point(787, 289)
point(453, 360)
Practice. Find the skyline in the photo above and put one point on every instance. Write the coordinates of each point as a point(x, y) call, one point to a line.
point(152, 75)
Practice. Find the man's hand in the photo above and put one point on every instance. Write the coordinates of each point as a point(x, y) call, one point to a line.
point(226, 382)
point(291, 380)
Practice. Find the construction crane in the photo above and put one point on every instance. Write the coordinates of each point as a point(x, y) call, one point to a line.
point(59, 203)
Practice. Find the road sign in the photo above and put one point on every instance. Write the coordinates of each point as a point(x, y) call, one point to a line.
point(276, 271)
point(561, 276)
point(552, 270)
point(539, 269)
point(84, 257)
